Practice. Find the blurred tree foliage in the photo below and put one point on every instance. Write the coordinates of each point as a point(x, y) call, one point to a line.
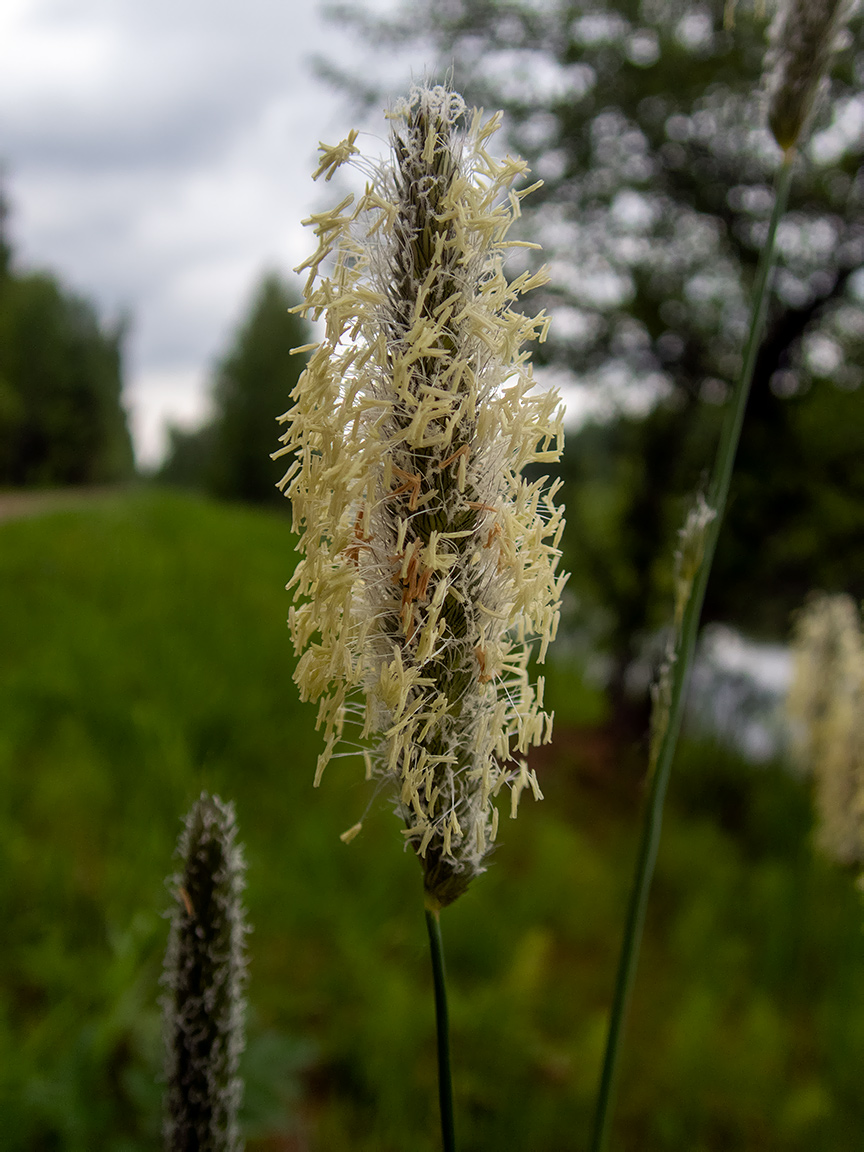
point(230, 456)
point(645, 122)
point(61, 415)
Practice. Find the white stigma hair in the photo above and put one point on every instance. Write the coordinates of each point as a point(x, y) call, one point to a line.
point(428, 564)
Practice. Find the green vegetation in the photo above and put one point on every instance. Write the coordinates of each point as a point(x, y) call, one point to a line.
point(143, 657)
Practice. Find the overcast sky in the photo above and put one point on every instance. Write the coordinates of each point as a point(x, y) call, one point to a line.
point(158, 157)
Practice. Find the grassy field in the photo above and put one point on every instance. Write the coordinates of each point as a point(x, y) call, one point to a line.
point(143, 657)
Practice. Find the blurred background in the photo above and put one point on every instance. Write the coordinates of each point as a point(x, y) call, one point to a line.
point(156, 164)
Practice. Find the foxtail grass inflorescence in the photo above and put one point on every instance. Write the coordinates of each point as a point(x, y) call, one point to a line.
point(428, 563)
point(204, 977)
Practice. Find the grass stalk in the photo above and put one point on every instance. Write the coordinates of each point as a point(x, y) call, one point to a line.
point(650, 838)
point(442, 1027)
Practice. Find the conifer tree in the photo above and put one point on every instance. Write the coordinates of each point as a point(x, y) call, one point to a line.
point(230, 456)
point(62, 419)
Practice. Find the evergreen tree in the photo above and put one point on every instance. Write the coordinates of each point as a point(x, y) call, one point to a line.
point(5, 248)
point(188, 459)
point(61, 414)
point(230, 457)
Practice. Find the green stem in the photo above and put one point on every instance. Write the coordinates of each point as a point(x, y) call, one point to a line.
point(650, 839)
point(445, 1084)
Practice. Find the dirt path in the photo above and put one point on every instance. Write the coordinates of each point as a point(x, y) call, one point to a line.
point(16, 504)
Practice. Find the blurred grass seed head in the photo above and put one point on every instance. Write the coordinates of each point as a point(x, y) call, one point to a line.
point(826, 704)
point(803, 38)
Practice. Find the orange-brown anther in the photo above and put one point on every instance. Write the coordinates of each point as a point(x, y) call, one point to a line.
point(494, 533)
point(423, 585)
point(465, 450)
point(484, 676)
point(412, 484)
point(352, 552)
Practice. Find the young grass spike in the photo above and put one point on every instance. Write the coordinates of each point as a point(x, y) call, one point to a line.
point(204, 977)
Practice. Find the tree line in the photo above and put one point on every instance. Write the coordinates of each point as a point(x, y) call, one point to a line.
point(62, 419)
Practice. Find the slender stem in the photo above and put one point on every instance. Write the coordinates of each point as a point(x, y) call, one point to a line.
point(650, 839)
point(445, 1084)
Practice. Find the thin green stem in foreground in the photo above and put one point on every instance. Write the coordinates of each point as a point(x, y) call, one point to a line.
point(442, 1025)
point(718, 492)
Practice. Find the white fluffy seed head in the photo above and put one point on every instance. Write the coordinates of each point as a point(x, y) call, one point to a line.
point(428, 564)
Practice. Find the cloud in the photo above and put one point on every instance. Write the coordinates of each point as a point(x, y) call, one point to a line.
point(158, 158)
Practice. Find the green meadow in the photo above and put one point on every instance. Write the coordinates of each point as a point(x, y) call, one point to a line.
point(144, 656)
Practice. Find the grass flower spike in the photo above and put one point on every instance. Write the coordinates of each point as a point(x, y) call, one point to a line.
point(428, 563)
point(205, 978)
